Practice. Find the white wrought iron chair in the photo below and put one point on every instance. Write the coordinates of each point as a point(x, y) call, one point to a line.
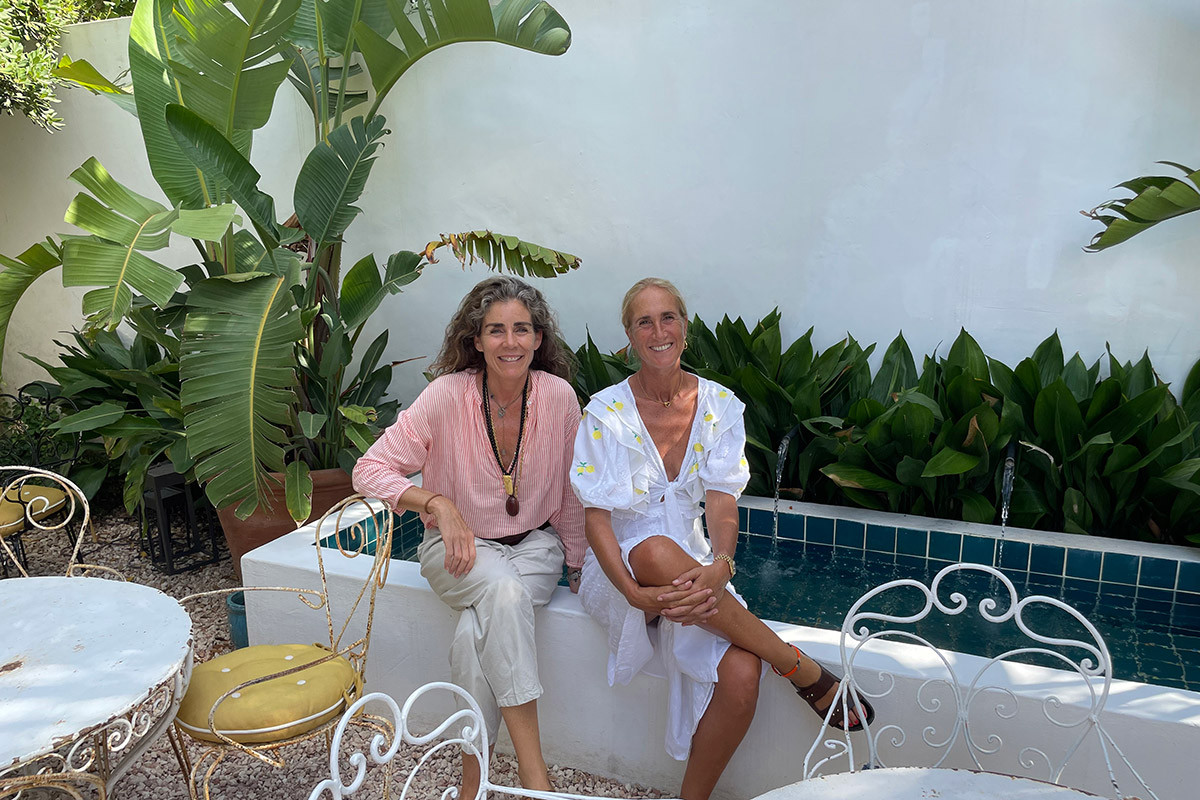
point(960, 714)
point(464, 729)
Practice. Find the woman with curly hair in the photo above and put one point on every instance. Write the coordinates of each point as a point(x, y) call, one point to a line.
point(492, 436)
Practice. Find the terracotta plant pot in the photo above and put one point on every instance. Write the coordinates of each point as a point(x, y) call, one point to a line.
point(243, 535)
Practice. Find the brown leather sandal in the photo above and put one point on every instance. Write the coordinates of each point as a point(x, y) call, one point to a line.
point(816, 691)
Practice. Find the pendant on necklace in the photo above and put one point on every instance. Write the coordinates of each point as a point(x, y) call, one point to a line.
point(500, 411)
point(512, 506)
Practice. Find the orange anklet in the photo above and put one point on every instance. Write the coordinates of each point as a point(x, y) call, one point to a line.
point(788, 674)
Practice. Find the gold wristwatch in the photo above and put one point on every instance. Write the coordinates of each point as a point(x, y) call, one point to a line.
point(728, 559)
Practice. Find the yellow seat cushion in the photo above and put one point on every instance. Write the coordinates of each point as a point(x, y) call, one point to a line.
point(41, 501)
point(271, 711)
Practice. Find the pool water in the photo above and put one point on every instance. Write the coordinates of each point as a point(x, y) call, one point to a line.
point(1150, 641)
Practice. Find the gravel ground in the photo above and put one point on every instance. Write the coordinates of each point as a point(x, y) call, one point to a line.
point(156, 775)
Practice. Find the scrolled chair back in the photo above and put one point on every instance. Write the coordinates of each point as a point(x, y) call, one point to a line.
point(976, 712)
point(34, 499)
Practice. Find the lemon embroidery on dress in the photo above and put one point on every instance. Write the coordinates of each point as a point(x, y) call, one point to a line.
point(610, 409)
point(699, 448)
point(596, 434)
point(743, 462)
point(584, 467)
point(695, 467)
point(638, 491)
point(708, 417)
point(722, 393)
point(637, 437)
point(617, 404)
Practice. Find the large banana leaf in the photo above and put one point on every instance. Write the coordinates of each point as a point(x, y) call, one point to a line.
point(529, 24)
point(333, 176)
point(363, 289)
point(1156, 198)
point(225, 62)
point(19, 273)
point(305, 73)
point(217, 155)
point(125, 225)
point(238, 394)
point(497, 250)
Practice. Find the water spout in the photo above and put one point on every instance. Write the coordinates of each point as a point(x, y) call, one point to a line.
point(1006, 489)
point(780, 459)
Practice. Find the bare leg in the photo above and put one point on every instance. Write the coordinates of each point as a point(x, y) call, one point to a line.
point(470, 777)
point(724, 723)
point(659, 560)
point(522, 724)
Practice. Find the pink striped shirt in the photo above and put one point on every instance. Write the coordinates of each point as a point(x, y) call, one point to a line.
point(443, 435)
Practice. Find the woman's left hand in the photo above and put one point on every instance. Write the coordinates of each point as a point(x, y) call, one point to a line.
point(706, 576)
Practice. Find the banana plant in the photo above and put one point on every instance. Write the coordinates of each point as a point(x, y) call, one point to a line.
point(270, 321)
point(1156, 198)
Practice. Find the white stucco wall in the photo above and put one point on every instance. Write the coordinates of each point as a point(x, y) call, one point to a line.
point(868, 166)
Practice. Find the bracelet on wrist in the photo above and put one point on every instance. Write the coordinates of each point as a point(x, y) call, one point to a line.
point(430, 500)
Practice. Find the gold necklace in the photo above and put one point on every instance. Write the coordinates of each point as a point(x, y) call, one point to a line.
point(665, 403)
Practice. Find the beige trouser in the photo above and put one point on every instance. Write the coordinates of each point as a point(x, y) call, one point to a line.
point(493, 655)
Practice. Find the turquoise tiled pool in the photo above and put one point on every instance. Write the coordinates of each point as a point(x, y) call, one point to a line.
point(1147, 609)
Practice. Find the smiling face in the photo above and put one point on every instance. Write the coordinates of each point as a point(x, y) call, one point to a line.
point(508, 340)
point(657, 329)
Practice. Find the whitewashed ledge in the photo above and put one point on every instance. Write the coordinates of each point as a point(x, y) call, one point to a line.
point(618, 732)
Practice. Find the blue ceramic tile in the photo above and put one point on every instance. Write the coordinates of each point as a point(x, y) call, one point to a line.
point(910, 566)
point(1119, 568)
point(1108, 590)
point(979, 549)
point(945, 546)
point(819, 530)
point(1153, 608)
point(877, 557)
point(1014, 555)
point(1158, 572)
point(848, 534)
point(761, 522)
point(1189, 576)
point(881, 539)
point(791, 526)
point(1082, 588)
point(911, 542)
point(1047, 559)
point(1083, 563)
point(1159, 595)
point(743, 519)
point(1043, 584)
point(1186, 616)
point(1187, 598)
point(821, 552)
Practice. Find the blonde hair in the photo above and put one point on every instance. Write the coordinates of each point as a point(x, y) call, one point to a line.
point(646, 283)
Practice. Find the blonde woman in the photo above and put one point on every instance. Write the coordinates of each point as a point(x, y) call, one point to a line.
point(649, 451)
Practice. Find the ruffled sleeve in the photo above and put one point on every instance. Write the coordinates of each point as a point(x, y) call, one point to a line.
point(723, 467)
point(608, 469)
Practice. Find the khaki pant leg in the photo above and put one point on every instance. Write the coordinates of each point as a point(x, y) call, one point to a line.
point(493, 654)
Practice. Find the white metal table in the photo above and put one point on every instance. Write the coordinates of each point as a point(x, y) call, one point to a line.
point(91, 673)
point(918, 783)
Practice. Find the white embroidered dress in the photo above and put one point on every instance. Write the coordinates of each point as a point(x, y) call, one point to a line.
point(617, 468)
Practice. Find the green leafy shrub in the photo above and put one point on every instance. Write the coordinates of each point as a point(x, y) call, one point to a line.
point(1116, 455)
point(30, 31)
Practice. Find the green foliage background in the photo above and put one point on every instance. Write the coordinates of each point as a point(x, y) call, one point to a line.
point(30, 32)
point(1102, 449)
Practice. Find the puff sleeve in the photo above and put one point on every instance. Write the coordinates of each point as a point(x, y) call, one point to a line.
point(601, 474)
point(724, 468)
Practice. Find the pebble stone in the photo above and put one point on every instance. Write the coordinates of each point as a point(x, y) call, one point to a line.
point(116, 542)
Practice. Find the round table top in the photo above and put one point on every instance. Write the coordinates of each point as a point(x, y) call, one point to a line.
point(920, 783)
point(77, 653)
